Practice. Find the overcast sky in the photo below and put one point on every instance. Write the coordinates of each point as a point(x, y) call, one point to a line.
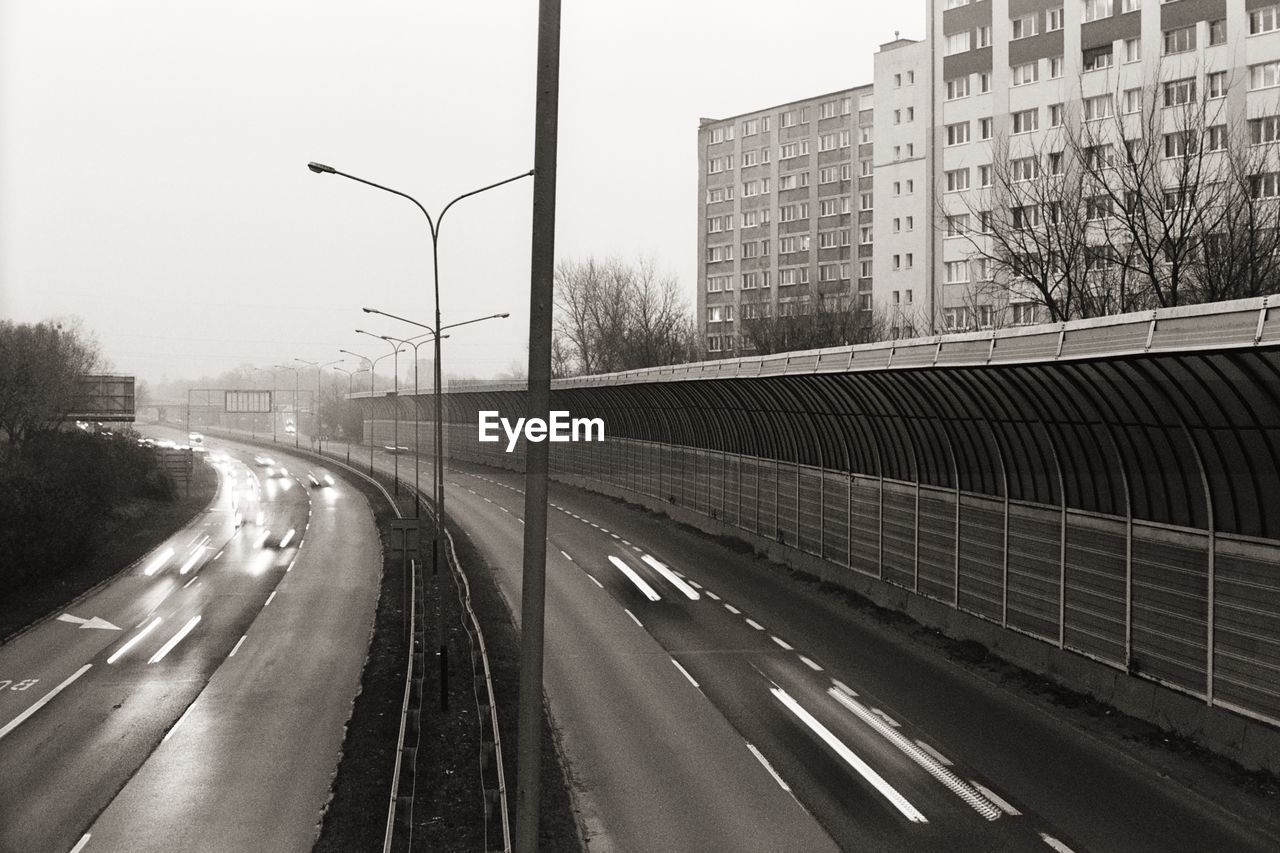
point(153, 158)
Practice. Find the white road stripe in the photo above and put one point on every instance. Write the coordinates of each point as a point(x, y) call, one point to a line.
point(810, 663)
point(843, 688)
point(239, 643)
point(1055, 843)
point(767, 766)
point(685, 672)
point(190, 582)
point(174, 640)
point(754, 624)
point(43, 700)
point(169, 733)
point(640, 582)
point(672, 578)
point(890, 720)
point(566, 556)
point(782, 643)
point(947, 761)
point(934, 768)
point(711, 595)
point(270, 597)
point(735, 611)
point(132, 641)
point(633, 617)
point(84, 839)
point(995, 798)
point(596, 582)
point(841, 749)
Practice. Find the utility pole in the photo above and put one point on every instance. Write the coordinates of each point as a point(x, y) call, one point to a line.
point(541, 293)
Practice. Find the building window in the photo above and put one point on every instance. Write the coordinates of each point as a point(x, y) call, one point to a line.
point(1264, 130)
point(1057, 115)
point(958, 224)
point(750, 281)
point(715, 254)
point(956, 43)
point(984, 175)
point(1097, 107)
point(1179, 144)
point(1054, 20)
point(828, 142)
point(1217, 32)
point(1024, 313)
point(958, 87)
point(864, 234)
point(1026, 121)
point(1131, 101)
point(722, 134)
point(984, 36)
point(750, 127)
point(717, 283)
point(866, 168)
point(1055, 67)
point(1264, 76)
point(956, 272)
point(1217, 140)
point(957, 180)
point(793, 275)
point(1132, 50)
point(1130, 5)
point(1181, 40)
point(828, 175)
point(1056, 162)
point(985, 127)
point(1024, 169)
point(1097, 9)
point(1216, 83)
point(1097, 59)
point(1024, 27)
point(829, 109)
point(865, 201)
point(958, 134)
point(1026, 73)
point(828, 272)
point(748, 158)
point(1264, 20)
point(956, 4)
point(1179, 92)
point(1025, 216)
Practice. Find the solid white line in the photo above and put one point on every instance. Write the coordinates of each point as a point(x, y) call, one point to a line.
point(810, 663)
point(43, 700)
point(633, 617)
point(735, 611)
point(289, 568)
point(174, 640)
point(782, 643)
point(711, 595)
point(640, 582)
point(596, 582)
point(864, 770)
point(190, 582)
point(947, 761)
point(672, 578)
point(239, 643)
point(271, 596)
point(767, 766)
point(1055, 843)
point(685, 671)
point(843, 688)
point(84, 839)
point(566, 556)
point(934, 768)
point(996, 798)
point(754, 624)
point(890, 720)
point(169, 733)
point(134, 639)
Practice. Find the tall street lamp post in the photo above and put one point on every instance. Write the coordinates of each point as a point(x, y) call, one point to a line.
point(438, 479)
point(351, 375)
point(297, 391)
point(319, 433)
point(395, 429)
point(417, 428)
point(373, 373)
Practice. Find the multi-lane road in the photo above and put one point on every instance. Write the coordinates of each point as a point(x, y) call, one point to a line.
point(197, 701)
point(706, 702)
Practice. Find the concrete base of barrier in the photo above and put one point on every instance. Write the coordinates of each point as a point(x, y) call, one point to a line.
point(1253, 744)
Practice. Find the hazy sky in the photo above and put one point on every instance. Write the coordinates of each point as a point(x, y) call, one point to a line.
point(153, 158)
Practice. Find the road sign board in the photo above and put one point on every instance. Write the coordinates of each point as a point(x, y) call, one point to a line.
point(242, 402)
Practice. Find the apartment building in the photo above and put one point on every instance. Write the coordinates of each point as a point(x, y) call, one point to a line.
point(785, 204)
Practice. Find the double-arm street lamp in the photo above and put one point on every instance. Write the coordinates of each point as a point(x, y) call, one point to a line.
point(296, 393)
point(351, 375)
point(395, 392)
point(373, 373)
point(319, 433)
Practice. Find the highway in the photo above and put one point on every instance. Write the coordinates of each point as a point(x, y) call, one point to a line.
point(708, 703)
point(197, 701)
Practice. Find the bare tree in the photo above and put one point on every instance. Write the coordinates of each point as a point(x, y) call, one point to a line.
point(818, 323)
point(40, 365)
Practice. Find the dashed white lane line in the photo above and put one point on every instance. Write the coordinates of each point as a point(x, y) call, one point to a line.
point(43, 700)
point(133, 641)
point(637, 549)
point(782, 643)
point(239, 643)
point(951, 781)
point(175, 639)
point(566, 556)
point(810, 663)
point(754, 624)
point(995, 798)
point(633, 617)
point(672, 578)
point(841, 749)
point(843, 688)
point(767, 766)
point(684, 672)
point(271, 597)
point(942, 759)
point(190, 582)
point(711, 595)
point(84, 839)
point(639, 582)
point(169, 733)
point(1055, 844)
point(596, 582)
point(735, 611)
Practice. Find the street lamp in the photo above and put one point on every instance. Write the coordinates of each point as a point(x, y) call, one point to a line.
point(417, 428)
point(296, 392)
point(351, 375)
point(319, 433)
point(438, 480)
point(395, 391)
point(373, 372)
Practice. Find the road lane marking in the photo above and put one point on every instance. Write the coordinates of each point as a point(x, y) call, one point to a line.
point(782, 643)
point(596, 582)
point(995, 798)
point(637, 549)
point(566, 556)
point(890, 720)
point(948, 762)
point(169, 733)
point(84, 839)
point(271, 596)
point(43, 700)
point(160, 560)
point(175, 639)
point(672, 578)
point(711, 595)
point(932, 766)
point(190, 582)
point(735, 611)
point(693, 584)
point(633, 616)
point(685, 672)
point(841, 749)
point(239, 643)
point(639, 582)
point(132, 641)
point(1055, 843)
point(810, 663)
point(844, 688)
point(754, 624)
point(767, 766)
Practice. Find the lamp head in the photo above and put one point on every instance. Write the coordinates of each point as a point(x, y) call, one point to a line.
point(320, 168)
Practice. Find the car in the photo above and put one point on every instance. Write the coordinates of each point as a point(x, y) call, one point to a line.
point(263, 460)
point(196, 438)
point(321, 480)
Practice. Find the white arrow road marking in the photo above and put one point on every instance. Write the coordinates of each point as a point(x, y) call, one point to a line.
point(42, 701)
point(672, 578)
point(91, 622)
